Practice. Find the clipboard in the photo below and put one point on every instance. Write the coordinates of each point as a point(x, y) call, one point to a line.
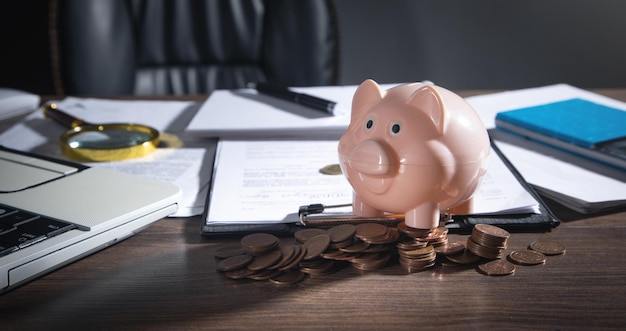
point(317, 215)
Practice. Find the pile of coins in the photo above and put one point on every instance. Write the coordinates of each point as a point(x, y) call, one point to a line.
point(261, 257)
point(371, 246)
point(366, 246)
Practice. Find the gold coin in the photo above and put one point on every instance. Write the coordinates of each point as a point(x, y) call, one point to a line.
point(497, 268)
point(526, 257)
point(331, 169)
point(548, 247)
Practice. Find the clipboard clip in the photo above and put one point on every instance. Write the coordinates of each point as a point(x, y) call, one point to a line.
point(315, 215)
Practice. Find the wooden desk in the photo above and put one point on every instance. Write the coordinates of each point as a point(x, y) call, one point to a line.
point(165, 278)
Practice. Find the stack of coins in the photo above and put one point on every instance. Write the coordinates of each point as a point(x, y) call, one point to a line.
point(488, 241)
point(417, 259)
point(416, 248)
point(435, 237)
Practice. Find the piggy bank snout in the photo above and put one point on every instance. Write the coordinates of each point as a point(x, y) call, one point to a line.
point(372, 158)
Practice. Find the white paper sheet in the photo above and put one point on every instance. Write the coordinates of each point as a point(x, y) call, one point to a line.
point(241, 114)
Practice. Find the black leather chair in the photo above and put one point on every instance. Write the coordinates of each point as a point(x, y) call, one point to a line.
point(165, 47)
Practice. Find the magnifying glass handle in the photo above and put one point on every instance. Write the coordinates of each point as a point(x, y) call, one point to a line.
point(51, 111)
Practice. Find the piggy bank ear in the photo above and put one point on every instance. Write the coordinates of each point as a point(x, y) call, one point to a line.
point(427, 100)
point(366, 96)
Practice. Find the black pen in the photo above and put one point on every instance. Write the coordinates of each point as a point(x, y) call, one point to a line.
point(299, 98)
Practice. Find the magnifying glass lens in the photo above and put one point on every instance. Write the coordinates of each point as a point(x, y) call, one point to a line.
point(103, 142)
point(109, 139)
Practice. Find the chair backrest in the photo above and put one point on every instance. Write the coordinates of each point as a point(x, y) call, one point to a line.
point(161, 47)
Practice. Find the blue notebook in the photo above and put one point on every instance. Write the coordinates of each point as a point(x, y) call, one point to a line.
point(590, 129)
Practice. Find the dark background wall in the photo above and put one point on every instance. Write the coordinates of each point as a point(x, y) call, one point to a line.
point(464, 44)
point(459, 44)
point(24, 56)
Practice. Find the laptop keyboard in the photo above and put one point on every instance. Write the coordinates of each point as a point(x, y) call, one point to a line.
point(20, 229)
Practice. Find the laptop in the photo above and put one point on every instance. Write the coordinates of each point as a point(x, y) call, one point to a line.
point(54, 212)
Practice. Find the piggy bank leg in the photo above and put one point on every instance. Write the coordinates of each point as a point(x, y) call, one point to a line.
point(425, 216)
point(360, 208)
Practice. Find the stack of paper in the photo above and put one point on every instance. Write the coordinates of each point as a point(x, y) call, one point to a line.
point(15, 102)
point(245, 114)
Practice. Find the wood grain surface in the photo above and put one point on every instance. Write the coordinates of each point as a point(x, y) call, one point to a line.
point(164, 278)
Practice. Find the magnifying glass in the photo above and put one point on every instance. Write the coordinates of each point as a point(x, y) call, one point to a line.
point(102, 142)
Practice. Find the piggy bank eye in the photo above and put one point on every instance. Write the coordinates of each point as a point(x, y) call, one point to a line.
point(369, 124)
point(395, 129)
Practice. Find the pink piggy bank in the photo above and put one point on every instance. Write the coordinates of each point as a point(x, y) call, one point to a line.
point(416, 149)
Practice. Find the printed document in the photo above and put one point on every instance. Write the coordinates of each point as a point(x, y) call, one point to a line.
point(267, 181)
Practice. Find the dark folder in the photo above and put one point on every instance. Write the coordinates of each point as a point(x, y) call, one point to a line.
point(457, 223)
